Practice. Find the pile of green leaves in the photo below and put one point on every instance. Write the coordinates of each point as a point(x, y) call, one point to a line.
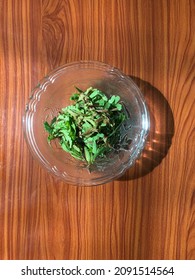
point(90, 127)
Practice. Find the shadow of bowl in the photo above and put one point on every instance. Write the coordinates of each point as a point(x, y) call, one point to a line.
point(161, 132)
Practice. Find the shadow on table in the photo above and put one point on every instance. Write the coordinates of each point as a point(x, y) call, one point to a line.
point(161, 132)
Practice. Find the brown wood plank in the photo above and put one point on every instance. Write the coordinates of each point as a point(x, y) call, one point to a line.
point(150, 212)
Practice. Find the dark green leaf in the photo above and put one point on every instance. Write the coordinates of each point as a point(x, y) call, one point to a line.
point(78, 89)
point(47, 127)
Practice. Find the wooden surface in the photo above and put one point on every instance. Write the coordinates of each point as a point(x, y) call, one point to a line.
point(150, 212)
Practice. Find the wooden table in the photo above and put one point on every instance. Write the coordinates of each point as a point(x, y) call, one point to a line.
point(150, 212)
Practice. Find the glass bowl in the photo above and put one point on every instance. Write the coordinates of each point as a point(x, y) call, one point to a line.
point(53, 93)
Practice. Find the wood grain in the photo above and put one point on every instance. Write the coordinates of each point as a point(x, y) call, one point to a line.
point(150, 212)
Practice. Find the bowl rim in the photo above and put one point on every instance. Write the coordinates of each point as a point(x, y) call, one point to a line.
point(49, 78)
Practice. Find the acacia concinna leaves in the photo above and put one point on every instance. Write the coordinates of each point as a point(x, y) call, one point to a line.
point(90, 127)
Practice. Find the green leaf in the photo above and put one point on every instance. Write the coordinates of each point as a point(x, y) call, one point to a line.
point(94, 149)
point(90, 127)
point(119, 107)
point(78, 89)
point(94, 93)
point(117, 99)
point(47, 127)
point(74, 97)
point(64, 146)
point(87, 155)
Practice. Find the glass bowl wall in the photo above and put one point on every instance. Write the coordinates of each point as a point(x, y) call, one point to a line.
point(53, 93)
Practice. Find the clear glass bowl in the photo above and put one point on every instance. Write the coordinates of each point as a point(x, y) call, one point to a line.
point(53, 93)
